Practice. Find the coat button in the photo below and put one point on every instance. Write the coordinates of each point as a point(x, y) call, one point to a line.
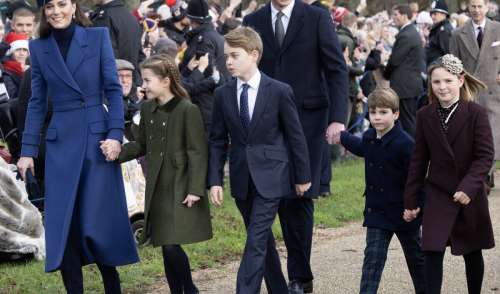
point(371, 187)
point(380, 167)
point(150, 137)
point(164, 123)
point(369, 209)
point(370, 164)
point(163, 138)
point(381, 189)
point(161, 153)
point(151, 121)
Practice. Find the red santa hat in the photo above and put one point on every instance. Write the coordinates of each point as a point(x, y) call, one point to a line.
point(16, 41)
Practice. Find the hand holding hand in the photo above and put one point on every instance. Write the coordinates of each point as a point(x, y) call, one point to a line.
point(300, 189)
point(461, 197)
point(333, 132)
point(190, 200)
point(217, 195)
point(24, 164)
point(111, 149)
point(410, 214)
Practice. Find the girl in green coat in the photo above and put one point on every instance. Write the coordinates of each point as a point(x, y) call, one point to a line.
point(172, 138)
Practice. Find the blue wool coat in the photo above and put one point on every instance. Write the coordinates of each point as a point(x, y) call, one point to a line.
point(80, 185)
point(386, 169)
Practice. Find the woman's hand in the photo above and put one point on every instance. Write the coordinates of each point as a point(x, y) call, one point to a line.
point(24, 164)
point(461, 197)
point(190, 200)
point(111, 148)
point(410, 214)
point(203, 63)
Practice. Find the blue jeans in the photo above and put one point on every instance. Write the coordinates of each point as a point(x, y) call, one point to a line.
point(377, 245)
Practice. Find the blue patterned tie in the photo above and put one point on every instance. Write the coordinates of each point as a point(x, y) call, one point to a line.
point(244, 112)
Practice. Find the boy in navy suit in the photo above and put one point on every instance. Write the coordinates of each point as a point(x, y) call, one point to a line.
point(387, 150)
point(268, 153)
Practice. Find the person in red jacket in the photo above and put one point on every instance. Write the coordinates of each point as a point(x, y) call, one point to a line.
point(14, 64)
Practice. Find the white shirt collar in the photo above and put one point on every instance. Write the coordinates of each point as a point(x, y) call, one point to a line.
point(287, 11)
point(253, 82)
point(404, 26)
point(482, 25)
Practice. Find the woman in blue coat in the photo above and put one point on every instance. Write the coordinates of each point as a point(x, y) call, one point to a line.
point(86, 217)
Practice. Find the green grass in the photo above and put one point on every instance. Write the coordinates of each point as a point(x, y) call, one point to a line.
point(345, 205)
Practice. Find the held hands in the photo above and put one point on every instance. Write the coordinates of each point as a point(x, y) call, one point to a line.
point(190, 200)
point(411, 214)
point(300, 189)
point(217, 195)
point(461, 197)
point(111, 149)
point(333, 132)
point(24, 164)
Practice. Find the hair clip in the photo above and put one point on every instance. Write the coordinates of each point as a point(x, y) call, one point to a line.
point(452, 64)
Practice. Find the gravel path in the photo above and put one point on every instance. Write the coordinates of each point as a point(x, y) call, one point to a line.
point(338, 255)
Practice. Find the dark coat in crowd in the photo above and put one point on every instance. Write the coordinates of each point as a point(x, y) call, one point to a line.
point(386, 168)
point(12, 82)
point(205, 39)
point(124, 31)
point(439, 41)
point(131, 105)
point(178, 36)
point(444, 164)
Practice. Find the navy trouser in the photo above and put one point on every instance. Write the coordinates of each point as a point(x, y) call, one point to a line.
point(326, 169)
point(377, 245)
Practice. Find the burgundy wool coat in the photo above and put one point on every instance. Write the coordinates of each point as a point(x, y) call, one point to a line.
point(444, 164)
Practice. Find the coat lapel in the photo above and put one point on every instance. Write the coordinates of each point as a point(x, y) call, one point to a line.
point(469, 39)
point(460, 117)
point(77, 50)
point(57, 63)
point(294, 25)
point(267, 28)
point(260, 103)
point(435, 126)
point(489, 34)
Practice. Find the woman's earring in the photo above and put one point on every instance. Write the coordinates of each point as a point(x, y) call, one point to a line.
point(74, 16)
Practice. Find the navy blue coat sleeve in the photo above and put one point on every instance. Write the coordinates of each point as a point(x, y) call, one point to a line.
point(334, 68)
point(112, 89)
point(218, 143)
point(37, 107)
point(352, 143)
point(295, 136)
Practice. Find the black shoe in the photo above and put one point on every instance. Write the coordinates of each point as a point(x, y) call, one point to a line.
point(324, 194)
point(295, 287)
point(308, 287)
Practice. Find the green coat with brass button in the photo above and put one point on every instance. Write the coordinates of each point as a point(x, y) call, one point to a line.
point(172, 138)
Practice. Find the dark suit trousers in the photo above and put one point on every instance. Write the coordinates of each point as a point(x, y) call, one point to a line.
point(407, 115)
point(260, 258)
point(326, 169)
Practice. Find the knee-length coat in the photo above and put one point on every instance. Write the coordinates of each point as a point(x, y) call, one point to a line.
point(79, 182)
point(172, 138)
point(446, 163)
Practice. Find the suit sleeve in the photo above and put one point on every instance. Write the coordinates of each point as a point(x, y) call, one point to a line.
point(399, 54)
point(484, 154)
point(334, 68)
point(112, 89)
point(352, 143)
point(218, 143)
point(137, 148)
point(417, 169)
point(197, 151)
point(295, 136)
point(37, 108)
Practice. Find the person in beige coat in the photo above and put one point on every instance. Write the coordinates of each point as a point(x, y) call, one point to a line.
point(477, 44)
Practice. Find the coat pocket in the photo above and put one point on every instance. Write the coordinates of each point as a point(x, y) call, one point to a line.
point(99, 127)
point(316, 102)
point(180, 159)
point(276, 155)
point(51, 134)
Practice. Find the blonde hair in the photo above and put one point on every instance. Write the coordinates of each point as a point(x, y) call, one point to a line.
point(163, 66)
point(383, 98)
point(469, 90)
point(246, 38)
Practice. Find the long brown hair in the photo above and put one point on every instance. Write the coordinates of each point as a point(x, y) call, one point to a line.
point(164, 66)
point(80, 19)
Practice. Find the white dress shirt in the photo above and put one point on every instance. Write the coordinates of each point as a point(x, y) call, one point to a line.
point(285, 19)
point(476, 26)
point(253, 88)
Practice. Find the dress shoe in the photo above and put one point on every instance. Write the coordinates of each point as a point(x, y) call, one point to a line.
point(295, 287)
point(308, 287)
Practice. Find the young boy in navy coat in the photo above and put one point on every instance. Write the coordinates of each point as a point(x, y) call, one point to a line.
point(268, 154)
point(387, 150)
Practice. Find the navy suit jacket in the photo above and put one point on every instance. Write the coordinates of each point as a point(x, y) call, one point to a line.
point(262, 153)
point(310, 59)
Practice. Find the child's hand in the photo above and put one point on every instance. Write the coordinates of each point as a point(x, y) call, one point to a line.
point(410, 214)
point(300, 189)
point(217, 195)
point(190, 200)
point(461, 197)
point(111, 149)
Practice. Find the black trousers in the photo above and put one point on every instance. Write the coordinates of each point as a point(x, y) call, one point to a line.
point(260, 257)
point(407, 115)
point(178, 270)
point(326, 169)
point(297, 221)
point(474, 270)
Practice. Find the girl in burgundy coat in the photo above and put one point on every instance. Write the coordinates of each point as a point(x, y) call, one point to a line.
point(452, 156)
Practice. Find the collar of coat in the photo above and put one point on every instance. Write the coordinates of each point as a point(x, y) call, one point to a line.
point(371, 134)
point(168, 107)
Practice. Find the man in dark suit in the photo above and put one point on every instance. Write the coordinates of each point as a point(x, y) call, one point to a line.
point(259, 116)
point(404, 67)
point(302, 50)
